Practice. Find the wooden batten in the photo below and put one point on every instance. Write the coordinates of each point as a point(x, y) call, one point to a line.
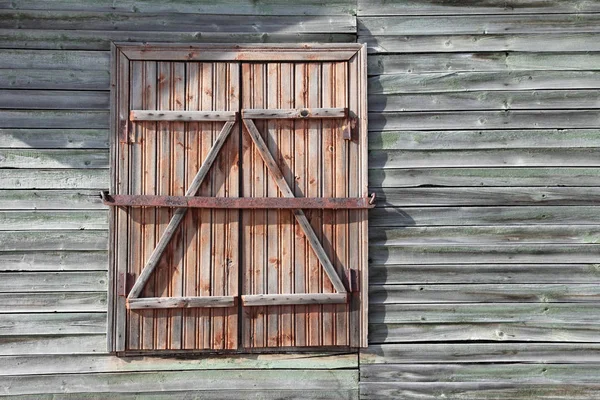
point(182, 116)
point(298, 298)
point(295, 113)
point(181, 302)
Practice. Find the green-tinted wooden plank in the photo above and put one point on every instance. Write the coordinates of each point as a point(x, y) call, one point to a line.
point(52, 302)
point(53, 240)
point(51, 199)
point(56, 158)
point(20, 345)
point(66, 281)
point(54, 179)
point(54, 99)
point(55, 59)
point(53, 220)
point(28, 260)
point(48, 79)
point(54, 119)
point(52, 324)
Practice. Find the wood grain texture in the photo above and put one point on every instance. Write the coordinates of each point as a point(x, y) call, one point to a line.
point(54, 179)
point(53, 220)
point(26, 324)
point(54, 138)
point(53, 79)
point(53, 302)
point(57, 260)
point(84, 281)
point(55, 345)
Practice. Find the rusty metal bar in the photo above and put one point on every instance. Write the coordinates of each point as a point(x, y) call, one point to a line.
point(290, 113)
point(182, 116)
point(335, 203)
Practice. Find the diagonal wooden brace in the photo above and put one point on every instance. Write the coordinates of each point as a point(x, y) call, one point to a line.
point(271, 164)
point(180, 213)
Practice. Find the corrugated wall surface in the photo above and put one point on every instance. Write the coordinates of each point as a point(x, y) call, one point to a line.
point(484, 150)
point(54, 120)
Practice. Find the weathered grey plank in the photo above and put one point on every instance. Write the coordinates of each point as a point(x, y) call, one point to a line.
point(55, 158)
point(215, 394)
point(48, 79)
point(28, 260)
point(51, 199)
point(458, 81)
point(574, 42)
point(54, 119)
point(509, 177)
point(61, 344)
point(563, 353)
point(341, 384)
point(52, 324)
point(54, 138)
point(381, 274)
point(490, 215)
point(421, 7)
point(534, 157)
point(486, 254)
point(55, 59)
point(54, 99)
point(74, 364)
point(465, 331)
point(52, 302)
point(54, 179)
point(486, 100)
point(64, 281)
point(53, 220)
point(498, 61)
point(174, 22)
point(53, 240)
point(101, 40)
point(475, 24)
point(481, 293)
point(483, 139)
point(531, 119)
point(493, 196)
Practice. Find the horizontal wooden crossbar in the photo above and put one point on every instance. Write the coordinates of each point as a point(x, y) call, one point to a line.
point(296, 298)
point(237, 202)
point(181, 116)
point(301, 113)
point(181, 302)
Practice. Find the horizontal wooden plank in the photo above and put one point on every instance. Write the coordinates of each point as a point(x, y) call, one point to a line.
point(160, 115)
point(495, 332)
point(180, 302)
point(296, 298)
point(52, 324)
point(54, 138)
point(53, 79)
point(382, 274)
point(52, 302)
point(485, 254)
point(490, 215)
point(233, 7)
point(518, 119)
point(54, 99)
point(508, 177)
point(55, 158)
point(174, 22)
point(209, 382)
point(53, 220)
point(54, 179)
point(558, 43)
point(385, 64)
point(53, 240)
point(51, 200)
point(534, 157)
point(101, 40)
point(477, 24)
point(484, 139)
point(483, 293)
point(420, 7)
point(457, 81)
point(64, 281)
point(55, 59)
point(74, 364)
point(54, 119)
point(220, 394)
point(547, 353)
point(486, 100)
point(20, 345)
point(295, 113)
point(28, 260)
point(492, 196)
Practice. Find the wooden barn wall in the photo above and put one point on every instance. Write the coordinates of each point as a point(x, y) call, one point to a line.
point(484, 153)
point(54, 121)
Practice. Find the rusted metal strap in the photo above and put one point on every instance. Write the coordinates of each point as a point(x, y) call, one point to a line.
point(293, 113)
point(335, 203)
point(182, 116)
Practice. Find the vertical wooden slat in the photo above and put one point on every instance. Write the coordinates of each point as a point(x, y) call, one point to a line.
point(364, 277)
point(148, 142)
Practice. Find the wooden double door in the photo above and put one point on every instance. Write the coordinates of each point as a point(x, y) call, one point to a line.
point(239, 270)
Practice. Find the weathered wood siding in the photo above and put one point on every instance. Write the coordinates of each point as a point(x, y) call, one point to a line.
point(54, 121)
point(484, 152)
